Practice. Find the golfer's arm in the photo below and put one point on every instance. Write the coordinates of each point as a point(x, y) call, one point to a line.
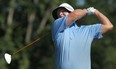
point(106, 24)
point(75, 15)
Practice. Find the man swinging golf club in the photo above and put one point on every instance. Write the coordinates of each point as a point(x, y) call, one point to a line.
point(73, 42)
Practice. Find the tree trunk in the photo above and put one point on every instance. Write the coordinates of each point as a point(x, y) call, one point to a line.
point(10, 21)
point(43, 22)
point(31, 18)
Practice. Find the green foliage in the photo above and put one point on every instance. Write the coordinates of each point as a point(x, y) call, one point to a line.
point(30, 16)
point(110, 58)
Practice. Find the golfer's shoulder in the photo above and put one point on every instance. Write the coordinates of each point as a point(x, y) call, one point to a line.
point(60, 20)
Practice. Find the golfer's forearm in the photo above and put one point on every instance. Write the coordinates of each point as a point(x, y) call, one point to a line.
point(76, 15)
point(104, 20)
point(80, 14)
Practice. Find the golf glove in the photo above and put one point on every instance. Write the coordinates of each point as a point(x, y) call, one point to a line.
point(90, 10)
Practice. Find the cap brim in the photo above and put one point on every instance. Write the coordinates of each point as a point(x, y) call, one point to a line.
point(54, 12)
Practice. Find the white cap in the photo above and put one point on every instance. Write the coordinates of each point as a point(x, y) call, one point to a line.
point(63, 5)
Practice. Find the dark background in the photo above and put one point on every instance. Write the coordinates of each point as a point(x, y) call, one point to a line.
point(23, 21)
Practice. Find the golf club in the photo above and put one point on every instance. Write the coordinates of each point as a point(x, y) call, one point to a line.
point(8, 57)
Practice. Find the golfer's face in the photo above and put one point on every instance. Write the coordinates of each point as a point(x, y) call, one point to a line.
point(62, 12)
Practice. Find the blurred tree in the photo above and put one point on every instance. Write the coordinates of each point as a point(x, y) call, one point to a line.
point(22, 21)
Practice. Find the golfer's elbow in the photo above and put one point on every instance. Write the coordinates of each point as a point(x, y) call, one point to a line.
point(110, 27)
point(106, 28)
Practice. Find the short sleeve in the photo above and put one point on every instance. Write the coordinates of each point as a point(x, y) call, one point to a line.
point(95, 31)
point(59, 25)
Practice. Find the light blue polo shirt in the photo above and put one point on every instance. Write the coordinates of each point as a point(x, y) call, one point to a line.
point(73, 44)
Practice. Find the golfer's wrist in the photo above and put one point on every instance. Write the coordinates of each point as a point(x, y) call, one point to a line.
point(85, 10)
point(96, 13)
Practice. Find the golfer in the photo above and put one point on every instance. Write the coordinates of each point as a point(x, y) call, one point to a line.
point(73, 42)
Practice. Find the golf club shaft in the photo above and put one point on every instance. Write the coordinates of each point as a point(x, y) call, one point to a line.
point(29, 44)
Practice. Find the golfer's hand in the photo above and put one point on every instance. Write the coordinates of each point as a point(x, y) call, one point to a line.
point(91, 10)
